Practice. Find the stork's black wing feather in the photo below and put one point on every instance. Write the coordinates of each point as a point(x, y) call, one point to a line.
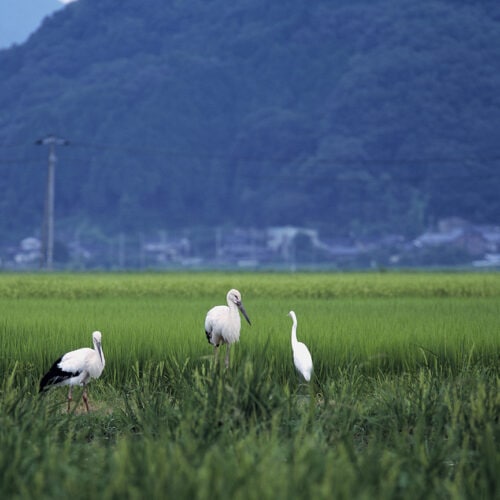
point(55, 375)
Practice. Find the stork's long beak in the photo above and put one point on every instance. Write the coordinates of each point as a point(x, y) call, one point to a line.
point(99, 350)
point(242, 309)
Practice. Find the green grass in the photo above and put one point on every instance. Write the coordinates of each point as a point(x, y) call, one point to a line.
point(268, 285)
point(404, 403)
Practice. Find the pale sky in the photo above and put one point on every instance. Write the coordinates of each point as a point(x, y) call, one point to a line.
point(20, 18)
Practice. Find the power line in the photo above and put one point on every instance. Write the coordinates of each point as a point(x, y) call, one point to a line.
point(332, 160)
point(337, 160)
point(310, 173)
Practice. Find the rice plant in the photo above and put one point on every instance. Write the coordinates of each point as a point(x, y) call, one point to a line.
point(404, 400)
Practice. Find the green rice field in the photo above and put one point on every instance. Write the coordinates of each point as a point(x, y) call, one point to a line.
point(404, 401)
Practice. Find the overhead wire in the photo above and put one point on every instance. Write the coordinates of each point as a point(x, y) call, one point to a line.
point(331, 163)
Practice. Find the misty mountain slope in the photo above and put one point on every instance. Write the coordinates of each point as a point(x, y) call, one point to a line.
point(333, 114)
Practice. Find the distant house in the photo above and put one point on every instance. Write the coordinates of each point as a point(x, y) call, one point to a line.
point(491, 234)
point(29, 252)
point(167, 249)
point(340, 249)
point(281, 239)
point(455, 233)
point(244, 247)
point(490, 260)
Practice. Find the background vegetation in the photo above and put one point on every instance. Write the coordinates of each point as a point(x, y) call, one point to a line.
point(404, 402)
point(364, 116)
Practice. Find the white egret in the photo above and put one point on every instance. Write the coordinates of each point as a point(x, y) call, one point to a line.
point(301, 355)
point(76, 368)
point(223, 323)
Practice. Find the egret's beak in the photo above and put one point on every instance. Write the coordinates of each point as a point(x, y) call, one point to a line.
point(242, 309)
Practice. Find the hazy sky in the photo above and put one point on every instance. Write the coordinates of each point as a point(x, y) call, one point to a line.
point(20, 18)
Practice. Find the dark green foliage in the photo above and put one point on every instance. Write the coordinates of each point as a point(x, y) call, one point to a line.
point(376, 115)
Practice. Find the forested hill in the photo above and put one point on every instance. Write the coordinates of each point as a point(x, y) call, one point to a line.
point(368, 115)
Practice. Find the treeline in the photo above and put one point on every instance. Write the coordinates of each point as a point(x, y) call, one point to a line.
point(352, 117)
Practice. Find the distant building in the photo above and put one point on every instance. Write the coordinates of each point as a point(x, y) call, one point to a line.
point(29, 252)
point(455, 233)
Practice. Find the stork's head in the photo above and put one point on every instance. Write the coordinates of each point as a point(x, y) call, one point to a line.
point(234, 296)
point(96, 337)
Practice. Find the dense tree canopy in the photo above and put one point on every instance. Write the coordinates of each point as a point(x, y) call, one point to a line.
point(348, 116)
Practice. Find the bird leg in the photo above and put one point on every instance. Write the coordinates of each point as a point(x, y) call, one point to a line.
point(85, 398)
point(227, 355)
point(70, 397)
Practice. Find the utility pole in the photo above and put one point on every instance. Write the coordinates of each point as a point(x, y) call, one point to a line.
point(48, 223)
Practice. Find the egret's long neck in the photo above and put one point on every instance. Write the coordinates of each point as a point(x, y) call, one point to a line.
point(294, 332)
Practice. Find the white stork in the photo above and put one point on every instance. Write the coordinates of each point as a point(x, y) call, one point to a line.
point(223, 323)
point(301, 355)
point(76, 368)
